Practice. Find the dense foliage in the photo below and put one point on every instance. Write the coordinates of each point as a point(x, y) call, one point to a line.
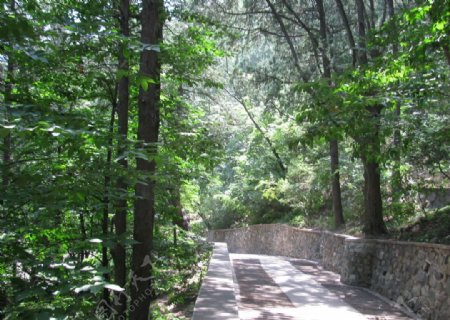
point(385, 108)
point(230, 112)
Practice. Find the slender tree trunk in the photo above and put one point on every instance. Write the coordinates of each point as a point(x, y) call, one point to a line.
point(148, 131)
point(371, 17)
point(120, 218)
point(106, 200)
point(351, 39)
point(82, 255)
point(361, 50)
point(175, 203)
point(334, 146)
point(370, 147)
point(336, 184)
point(7, 140)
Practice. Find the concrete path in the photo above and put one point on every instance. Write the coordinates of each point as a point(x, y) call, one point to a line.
point(270, 287)
point(257, 287)
point(217, 299)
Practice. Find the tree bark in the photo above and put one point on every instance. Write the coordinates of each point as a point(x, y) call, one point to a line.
point(373, 204)
point(373, 223)
point(361, 50)
point(120, 218)
point(148, 131)
point(370, 147)
point(373, 218)
point(334, 146)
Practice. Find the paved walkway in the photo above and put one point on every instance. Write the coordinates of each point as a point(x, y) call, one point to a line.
point(270, 287)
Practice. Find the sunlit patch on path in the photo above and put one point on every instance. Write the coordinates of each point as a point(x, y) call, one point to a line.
point(270, 287)
point(365, 302)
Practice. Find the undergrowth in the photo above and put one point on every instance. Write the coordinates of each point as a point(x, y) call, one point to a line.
point(178, 269)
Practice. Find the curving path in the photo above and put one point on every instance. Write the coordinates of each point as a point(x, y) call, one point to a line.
point(269, 287)
point(258, 287)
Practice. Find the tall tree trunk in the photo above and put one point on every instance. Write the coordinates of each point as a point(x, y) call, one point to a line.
point(373, 217)
point(373, 203)
point(120, 218)
point(148, 130)
point(7, 140)
point(106, 200)
point(334, 146)
point(370, 147)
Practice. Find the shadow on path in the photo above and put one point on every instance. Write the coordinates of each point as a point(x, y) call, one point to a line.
point(258, 291)
point(366, 303)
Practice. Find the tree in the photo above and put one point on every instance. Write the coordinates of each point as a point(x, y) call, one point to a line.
point(370, 145)
point(120, 219)
point(326, 74)
point(334, 147)
point(152, 19)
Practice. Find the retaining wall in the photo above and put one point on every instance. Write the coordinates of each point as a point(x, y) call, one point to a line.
point(416, 275)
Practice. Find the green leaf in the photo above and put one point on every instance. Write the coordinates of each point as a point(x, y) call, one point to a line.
point(439, 26)
point(145, 81)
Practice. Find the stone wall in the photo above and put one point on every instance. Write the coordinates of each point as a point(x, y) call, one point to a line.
point(416, 275)
point(282, 240)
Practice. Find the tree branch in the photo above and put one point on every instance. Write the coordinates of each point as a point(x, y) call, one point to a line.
point(288, 39)
point(257, 126)
point(308, 30)
point(351, 39)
